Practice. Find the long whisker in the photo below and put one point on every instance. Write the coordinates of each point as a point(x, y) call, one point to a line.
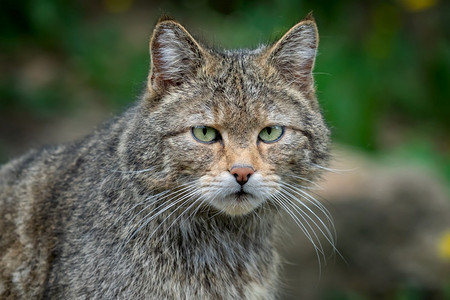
point(321, 207)
point(304, 195)
point(337, 171)
point(213, 198)
point(301, 226)
point(306, 180)
point(328, 236)
point(194, 212)
point(134, 172)
point(160, 196)
point(312, 200)
point(196, 201)
point(146, 220)
point(186, 199)
point(304, 215)
point(175, 193)
point(147, 200)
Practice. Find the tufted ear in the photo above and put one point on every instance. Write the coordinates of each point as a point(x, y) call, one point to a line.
point(295, 53)
point(175, 56)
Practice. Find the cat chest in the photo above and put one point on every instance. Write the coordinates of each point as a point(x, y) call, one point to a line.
point(212, 272)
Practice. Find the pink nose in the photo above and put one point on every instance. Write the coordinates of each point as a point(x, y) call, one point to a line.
point(242, 174)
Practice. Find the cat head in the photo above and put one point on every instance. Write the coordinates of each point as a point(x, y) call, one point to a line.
point(240, 127)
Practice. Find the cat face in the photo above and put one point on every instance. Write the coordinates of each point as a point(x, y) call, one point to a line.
point(239, 125)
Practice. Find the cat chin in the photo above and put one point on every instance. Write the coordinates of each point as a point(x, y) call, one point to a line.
point(237, 205)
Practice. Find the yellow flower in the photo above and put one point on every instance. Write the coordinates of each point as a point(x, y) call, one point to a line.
point(418, 5)
point(117, 6)
point(444, 245)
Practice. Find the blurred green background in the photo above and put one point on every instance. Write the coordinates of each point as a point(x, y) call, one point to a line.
point(383, 70)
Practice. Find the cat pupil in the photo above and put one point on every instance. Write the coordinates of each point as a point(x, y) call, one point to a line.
point(269, 130)
point(204, 130)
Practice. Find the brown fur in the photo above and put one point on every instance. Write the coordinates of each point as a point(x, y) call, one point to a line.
point(140, 209)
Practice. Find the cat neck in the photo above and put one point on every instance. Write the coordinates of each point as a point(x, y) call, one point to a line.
point(198, 226)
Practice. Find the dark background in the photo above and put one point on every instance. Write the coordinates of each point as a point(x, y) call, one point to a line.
point(383, 81)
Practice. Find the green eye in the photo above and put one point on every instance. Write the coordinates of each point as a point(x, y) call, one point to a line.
point(205, 134)
point(271, 134)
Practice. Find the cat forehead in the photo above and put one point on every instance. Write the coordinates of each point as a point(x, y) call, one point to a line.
point(238, 73)
point(236, 90)
point(243, 53)
point(243, 103)
point(229, 61)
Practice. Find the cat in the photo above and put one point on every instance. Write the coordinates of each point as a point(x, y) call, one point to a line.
point(180, 196)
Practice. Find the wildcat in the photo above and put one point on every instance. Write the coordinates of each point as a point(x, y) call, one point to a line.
point(179, 197)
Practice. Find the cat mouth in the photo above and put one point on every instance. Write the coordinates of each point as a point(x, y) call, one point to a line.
point(241, 196)
point(237, 203)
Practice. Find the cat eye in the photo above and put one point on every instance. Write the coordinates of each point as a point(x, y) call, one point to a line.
point(271, 134)
point(205, 134)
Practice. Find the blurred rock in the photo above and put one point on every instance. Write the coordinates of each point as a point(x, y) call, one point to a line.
point(391, 222)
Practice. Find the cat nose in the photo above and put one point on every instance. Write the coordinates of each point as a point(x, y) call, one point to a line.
point(242, 173)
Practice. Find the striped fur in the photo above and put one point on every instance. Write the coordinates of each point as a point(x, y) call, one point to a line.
point(139, 209)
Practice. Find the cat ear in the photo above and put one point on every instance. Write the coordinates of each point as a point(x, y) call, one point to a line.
point(295, 53)
point(175, 55)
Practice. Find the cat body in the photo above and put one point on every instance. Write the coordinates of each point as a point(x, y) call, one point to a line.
point(178, 197)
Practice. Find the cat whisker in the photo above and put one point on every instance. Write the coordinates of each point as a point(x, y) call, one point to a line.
point(213, 198)
point(178, 195)
point(304, 215)
point(185, 196)
point(149, 200)
point(331, 237)
point(327, 234)
point(322, 73)
point(308, 197)
point(180, 206)
point(337, 171)
point(312, 200)
point(195, 211)
point(255, 213)
point(172, 193)
point(134, 171)
point(282, 204)
point(191, 196)
point(307, 180)
point(195, 202)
